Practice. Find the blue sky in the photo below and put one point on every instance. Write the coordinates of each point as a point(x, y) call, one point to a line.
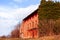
point(13, 11)
point(18, 3)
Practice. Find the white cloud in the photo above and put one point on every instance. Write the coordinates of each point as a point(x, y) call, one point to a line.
point(12, 17)
point(5, 15)
point(23, 12)
point(6, 26)
point(18, 12)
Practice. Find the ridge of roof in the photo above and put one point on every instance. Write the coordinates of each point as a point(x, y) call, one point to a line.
point(30, 14)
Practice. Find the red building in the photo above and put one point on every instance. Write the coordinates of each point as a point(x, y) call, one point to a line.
point(29, 26)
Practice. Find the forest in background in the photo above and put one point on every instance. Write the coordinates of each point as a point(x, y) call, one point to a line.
point(49, 18)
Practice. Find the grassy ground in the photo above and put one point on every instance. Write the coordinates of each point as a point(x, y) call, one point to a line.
point(56, 37)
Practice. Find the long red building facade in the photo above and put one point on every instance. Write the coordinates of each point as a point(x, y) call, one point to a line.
point(29, 26)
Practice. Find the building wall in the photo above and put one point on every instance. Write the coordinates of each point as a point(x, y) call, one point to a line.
point(29, 27)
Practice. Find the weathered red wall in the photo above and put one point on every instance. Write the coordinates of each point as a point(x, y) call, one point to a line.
point(29, 27)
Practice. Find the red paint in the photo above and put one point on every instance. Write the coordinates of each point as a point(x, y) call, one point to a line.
point(29, 26)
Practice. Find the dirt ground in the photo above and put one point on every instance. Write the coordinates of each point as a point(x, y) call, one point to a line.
point(56, 37)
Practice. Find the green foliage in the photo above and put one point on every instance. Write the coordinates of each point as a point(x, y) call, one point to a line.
point(43, 2)
point(49, 10)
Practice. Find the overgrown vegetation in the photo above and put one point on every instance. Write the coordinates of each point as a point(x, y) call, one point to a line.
point(49, 13)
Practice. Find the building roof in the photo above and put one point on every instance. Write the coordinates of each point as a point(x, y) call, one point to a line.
point(30, 15)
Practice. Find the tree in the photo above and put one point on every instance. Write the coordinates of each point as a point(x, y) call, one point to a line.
point(56, 28)
point(3, 36)
point(15, 33)
point(43, 1)
point(48, 13)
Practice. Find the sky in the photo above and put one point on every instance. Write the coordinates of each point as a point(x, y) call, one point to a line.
point(13, 12)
